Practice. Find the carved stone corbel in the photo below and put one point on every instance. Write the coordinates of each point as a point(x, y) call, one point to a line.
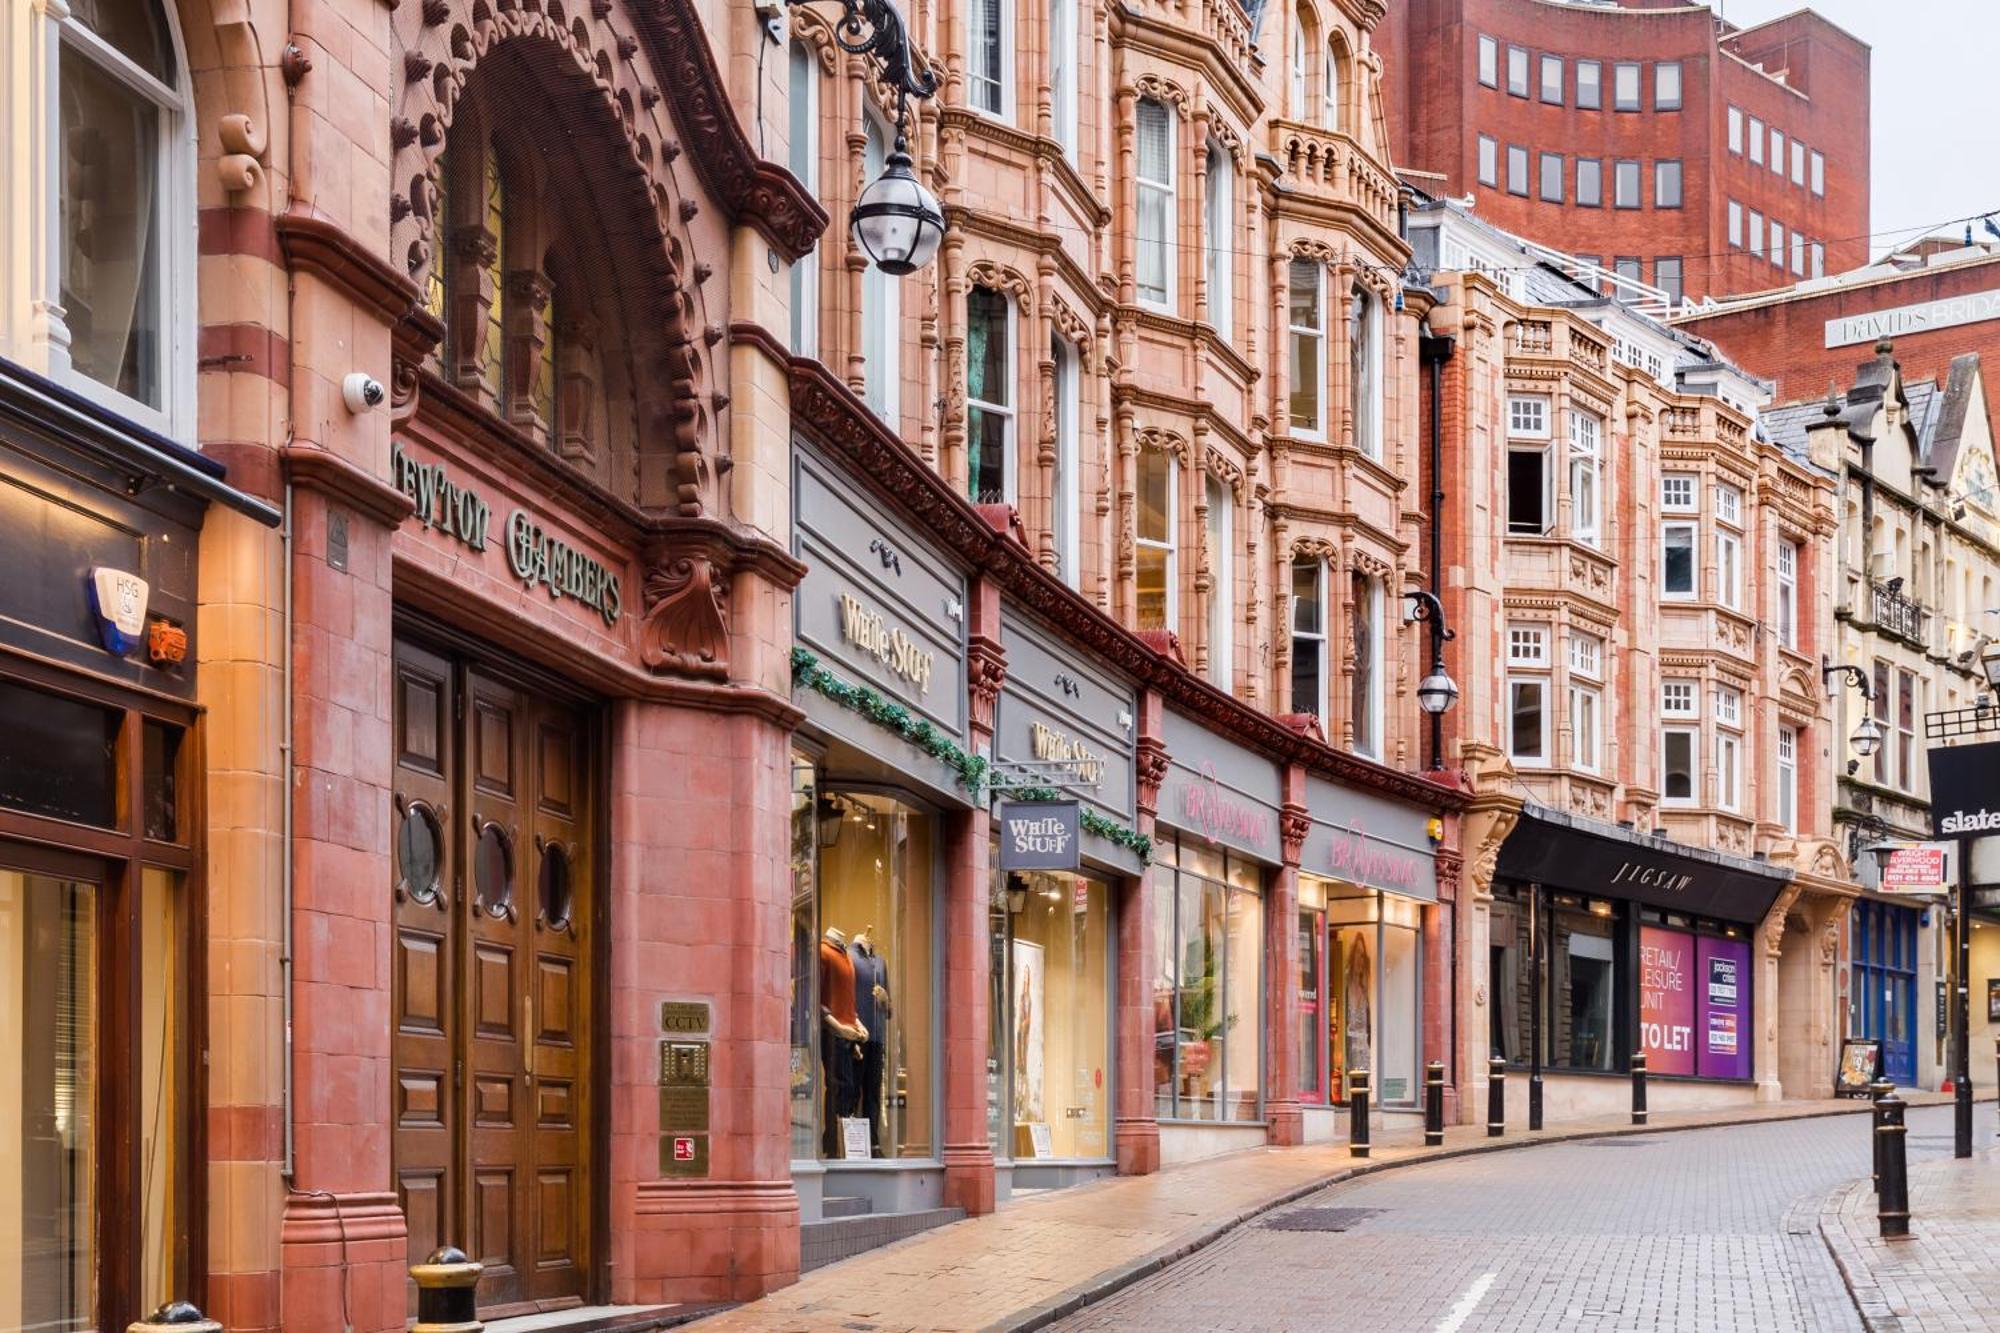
point(686, 630)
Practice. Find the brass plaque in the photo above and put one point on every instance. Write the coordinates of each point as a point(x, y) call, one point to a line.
point(683, 1108)
point(683, 1154)
point(683, 1016)
point(683, 1064)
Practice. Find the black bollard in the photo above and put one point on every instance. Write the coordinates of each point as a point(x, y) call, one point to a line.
point(1357, 1112)
point(1892, 1207)
point(1496, 1097)
point(445, 1285)
point(1877, 1090)
point(1638, 1087)
point(1434, 1104)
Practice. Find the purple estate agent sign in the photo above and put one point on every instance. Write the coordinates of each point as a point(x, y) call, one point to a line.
point(1722, 1008)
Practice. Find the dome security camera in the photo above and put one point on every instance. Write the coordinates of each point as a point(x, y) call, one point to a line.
point(362, 392)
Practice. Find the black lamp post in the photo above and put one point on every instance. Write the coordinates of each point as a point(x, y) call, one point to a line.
point(896, 222)
point(1437, 691)
point(1867, 737)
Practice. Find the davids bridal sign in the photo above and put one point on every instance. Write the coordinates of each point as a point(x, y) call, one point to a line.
point(1039, 835)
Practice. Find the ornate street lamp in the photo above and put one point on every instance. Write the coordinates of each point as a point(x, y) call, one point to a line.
point(1437, 691)
point(1867, 737)
point(896, 222)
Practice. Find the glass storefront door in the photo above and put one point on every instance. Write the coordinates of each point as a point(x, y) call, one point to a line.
point(1372, 992)
point(1049, 1085)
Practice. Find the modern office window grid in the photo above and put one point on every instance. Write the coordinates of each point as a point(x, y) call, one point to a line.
point(1667, 183)
point(1552, 80)
point(1629, 267)
point(1756, 233)
point(1798, 255)
point(1818, 161)
point(1756, 141)
point(1517, 170)
point(1590, 182)
point(1667, 86)
point(1736, 130)
point(1156, 201)
point(1552, 178)
point(1625, 183)
point(991, 51)
point(1590, 85)
point(1489, 160)
point(1777, 159)
point(1489, 61)
point(1816, 267)
point(1218, 237)
point(1777, 244)
point(1667, 277)
point(1625, 86)
point(1517, 71)
point(1735, 224)
point(1798, 163)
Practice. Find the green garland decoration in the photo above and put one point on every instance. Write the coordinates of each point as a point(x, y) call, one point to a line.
point(972, 771)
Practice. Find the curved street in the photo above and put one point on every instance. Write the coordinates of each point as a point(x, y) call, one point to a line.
point(1680, 1233)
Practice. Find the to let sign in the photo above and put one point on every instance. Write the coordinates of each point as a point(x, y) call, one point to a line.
point(1039, 835)
point(1915, 867)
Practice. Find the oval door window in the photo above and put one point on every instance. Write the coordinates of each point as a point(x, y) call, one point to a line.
point(418, 839)
point(555, 886)
point(493, 871)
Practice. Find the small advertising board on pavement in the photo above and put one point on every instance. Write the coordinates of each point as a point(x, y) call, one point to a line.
point(1860, 1065)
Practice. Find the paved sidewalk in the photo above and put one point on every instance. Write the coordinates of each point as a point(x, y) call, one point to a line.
point(1946, 1275)
point(1039, 1259)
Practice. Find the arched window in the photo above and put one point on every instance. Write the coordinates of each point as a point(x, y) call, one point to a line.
point(1329, 89)
point(123, 263)
point(1299, 65)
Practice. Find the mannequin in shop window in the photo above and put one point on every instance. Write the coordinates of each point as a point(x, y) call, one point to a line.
point(871, 1003)
point(841, 1035)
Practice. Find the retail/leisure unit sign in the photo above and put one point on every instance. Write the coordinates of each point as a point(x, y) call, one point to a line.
point(1917, 868)
point(1965, 790)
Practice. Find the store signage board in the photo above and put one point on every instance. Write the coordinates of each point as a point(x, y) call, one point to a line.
point(1220, 791)
point(1040, 835)
point(1965, 790)
point(1903, 320)
point(1364, 839)
point(1062, 721)
point(1860, 1064)
point(1548, 851)
point(1917, 868)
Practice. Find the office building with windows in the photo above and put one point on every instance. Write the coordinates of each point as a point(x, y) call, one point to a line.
point(1917, 578)
point(1641, 581)
point(1660, 141)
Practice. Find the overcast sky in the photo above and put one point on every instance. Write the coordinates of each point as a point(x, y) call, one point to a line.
point(1936, 127)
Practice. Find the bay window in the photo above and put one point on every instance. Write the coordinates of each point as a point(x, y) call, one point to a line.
point(1219, 235)
point(1306, 319)
point(1677, 560)
point(1590, 85)
point(1527, 708)
point(1584, 705)
point(1529, 501)
point(1364, 646)
point(1309, 659)
point(1067, 483)
point(1364, 379)
point(1680, 770)
point(1788, 594)
point(1156, 202)
point(1729, 569)
point(1062, 74)
point(987, 61)
point(989, 392)
point(803, 156)
point(1586, 474)
point(1728, 785)
point(123, 173)
point(1158, 595)
point(1221, 585)
point(1329, 90)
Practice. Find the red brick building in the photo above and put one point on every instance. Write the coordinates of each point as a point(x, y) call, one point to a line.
point(1659, 141)
point(1934, 306)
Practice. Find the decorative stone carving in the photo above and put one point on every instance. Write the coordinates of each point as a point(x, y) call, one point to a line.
point(686, 630)
point(1152, 766)
point(1293, 826)
point(986, 672)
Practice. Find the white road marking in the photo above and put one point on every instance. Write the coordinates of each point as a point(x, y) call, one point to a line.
point(1467, 1303)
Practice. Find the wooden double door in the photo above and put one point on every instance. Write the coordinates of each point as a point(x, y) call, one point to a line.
point(494, 861)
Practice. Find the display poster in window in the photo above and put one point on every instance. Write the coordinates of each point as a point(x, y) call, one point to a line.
point(1041, 1141)
point(1028, 1032)
point(1993, 999)
point(1722, 1008)
point(1666, 1000)
point(856, 1141)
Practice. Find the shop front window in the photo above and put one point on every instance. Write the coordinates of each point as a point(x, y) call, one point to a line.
point(1372, 993)
point(1584, 979)
point(1312, 927)
point(1208, 929)
point(808, 809)
point(48, 1130)
point(872, 970)
point(1049, 1084)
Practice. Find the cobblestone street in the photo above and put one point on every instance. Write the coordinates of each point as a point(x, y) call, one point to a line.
point(1706, 1230)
